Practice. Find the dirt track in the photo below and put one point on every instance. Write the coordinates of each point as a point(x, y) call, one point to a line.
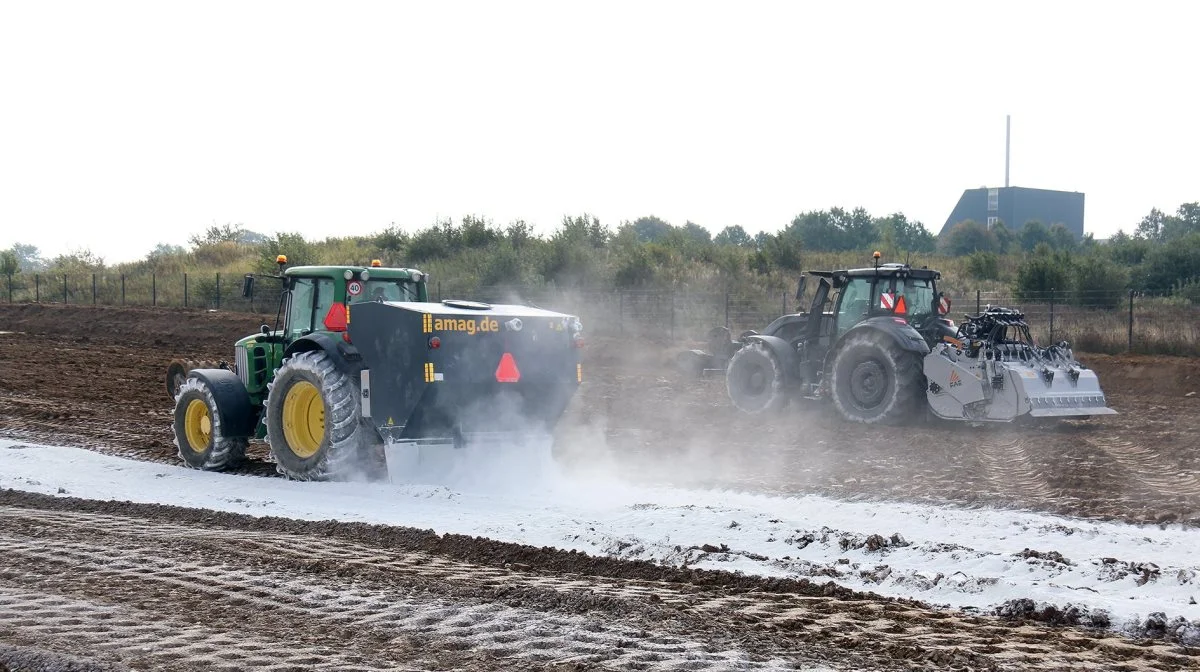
point(92, 377)
point(148, 586)
point(145, 586)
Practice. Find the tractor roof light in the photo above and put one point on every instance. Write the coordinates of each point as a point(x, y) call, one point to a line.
point(416, 276)
point(365, 275)
point(375, 263)
point(281, 259)
point(347, 274)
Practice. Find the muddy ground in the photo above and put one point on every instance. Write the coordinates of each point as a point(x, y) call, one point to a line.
point(93, 377)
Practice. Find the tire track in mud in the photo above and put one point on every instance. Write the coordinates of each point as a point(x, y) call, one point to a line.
point(1157, 472)
point(204, 590)
point(1010, 472)
point(462, 632)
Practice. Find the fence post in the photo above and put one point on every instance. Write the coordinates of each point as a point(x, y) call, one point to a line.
point(252, 297)
point(218, 291)
point(621, 312)
point(122, 289)
point(727, 309)
point(154, 289)
point(10, 287)
point(185, 296)
point(37, 288)
point(439, 288)
point(1129, 347)
point(1052, 315)
point(93, 289)
point(978, 307)
point(783, 303)
point(672, 315)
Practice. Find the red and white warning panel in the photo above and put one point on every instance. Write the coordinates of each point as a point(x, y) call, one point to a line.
point(887, 301)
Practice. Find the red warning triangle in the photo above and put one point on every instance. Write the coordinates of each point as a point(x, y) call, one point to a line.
point(508, 372)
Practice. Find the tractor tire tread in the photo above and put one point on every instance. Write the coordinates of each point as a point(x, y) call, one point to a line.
point(226, 451)
point(338, 456)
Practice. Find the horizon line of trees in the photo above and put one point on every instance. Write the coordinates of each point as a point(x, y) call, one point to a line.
point(1161, 255)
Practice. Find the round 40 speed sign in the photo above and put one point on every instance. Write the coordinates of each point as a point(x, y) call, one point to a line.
point(354, 288)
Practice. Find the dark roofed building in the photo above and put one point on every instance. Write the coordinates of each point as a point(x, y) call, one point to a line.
point(1016, 205)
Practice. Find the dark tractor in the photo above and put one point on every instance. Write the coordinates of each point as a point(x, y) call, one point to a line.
point(862, 343)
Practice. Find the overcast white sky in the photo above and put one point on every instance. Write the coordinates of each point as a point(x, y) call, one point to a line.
point(127, 124)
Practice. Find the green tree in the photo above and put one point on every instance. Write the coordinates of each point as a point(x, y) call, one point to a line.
point(1043, 271)
point(734, 235)
point(983, 266)
point(1007, 242)
point(29, 258)
point(214, 235)
point(1098, 281)
point(968, 237)
point(650, 229)
point(1032, 234)
point(1061, 237)
point(905, 235)
point(298, 250)
point(393, 239)
point(77, 261)
point(696, 233)
point(9, 264)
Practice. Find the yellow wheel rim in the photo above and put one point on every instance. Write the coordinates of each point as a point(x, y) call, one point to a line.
point(303, 419)
point(197, 425)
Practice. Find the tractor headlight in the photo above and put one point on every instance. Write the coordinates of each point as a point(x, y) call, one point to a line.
point(366, 275)
point(347, 274)
point(514, 324)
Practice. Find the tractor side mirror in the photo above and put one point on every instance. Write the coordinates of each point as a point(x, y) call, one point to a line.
point(800, 288)
point(248, 286)
point(265, 329)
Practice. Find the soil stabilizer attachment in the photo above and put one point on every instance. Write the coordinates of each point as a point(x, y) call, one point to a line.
point(993, 371)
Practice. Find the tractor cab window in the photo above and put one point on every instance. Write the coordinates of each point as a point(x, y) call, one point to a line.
point(322, 302)
point(854, 304)
point(300, 307)
point(389, 290)
point(918, 298)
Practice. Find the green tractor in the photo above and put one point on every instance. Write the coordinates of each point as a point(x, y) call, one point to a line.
point(362, 360)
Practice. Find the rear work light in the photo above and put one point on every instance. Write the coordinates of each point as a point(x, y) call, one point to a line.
point(434, 342)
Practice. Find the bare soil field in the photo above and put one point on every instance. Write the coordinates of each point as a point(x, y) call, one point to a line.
point(121, 586)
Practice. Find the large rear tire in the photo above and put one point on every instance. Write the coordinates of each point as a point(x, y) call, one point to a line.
point(876, 382)
point(198, 432)
point(755, 380)
point(313, 419)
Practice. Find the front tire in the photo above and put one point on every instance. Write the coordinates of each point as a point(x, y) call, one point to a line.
point(313, 419)
point(876, 382)
point(755, 380)
point(199, 434)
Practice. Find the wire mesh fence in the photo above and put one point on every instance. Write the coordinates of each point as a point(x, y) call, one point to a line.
point(1093, 321)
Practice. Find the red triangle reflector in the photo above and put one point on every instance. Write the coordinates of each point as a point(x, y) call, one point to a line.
point(508, 372)
point(335, 319)
point(901, 307)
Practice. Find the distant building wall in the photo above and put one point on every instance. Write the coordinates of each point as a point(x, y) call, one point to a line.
point(1016, 205)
